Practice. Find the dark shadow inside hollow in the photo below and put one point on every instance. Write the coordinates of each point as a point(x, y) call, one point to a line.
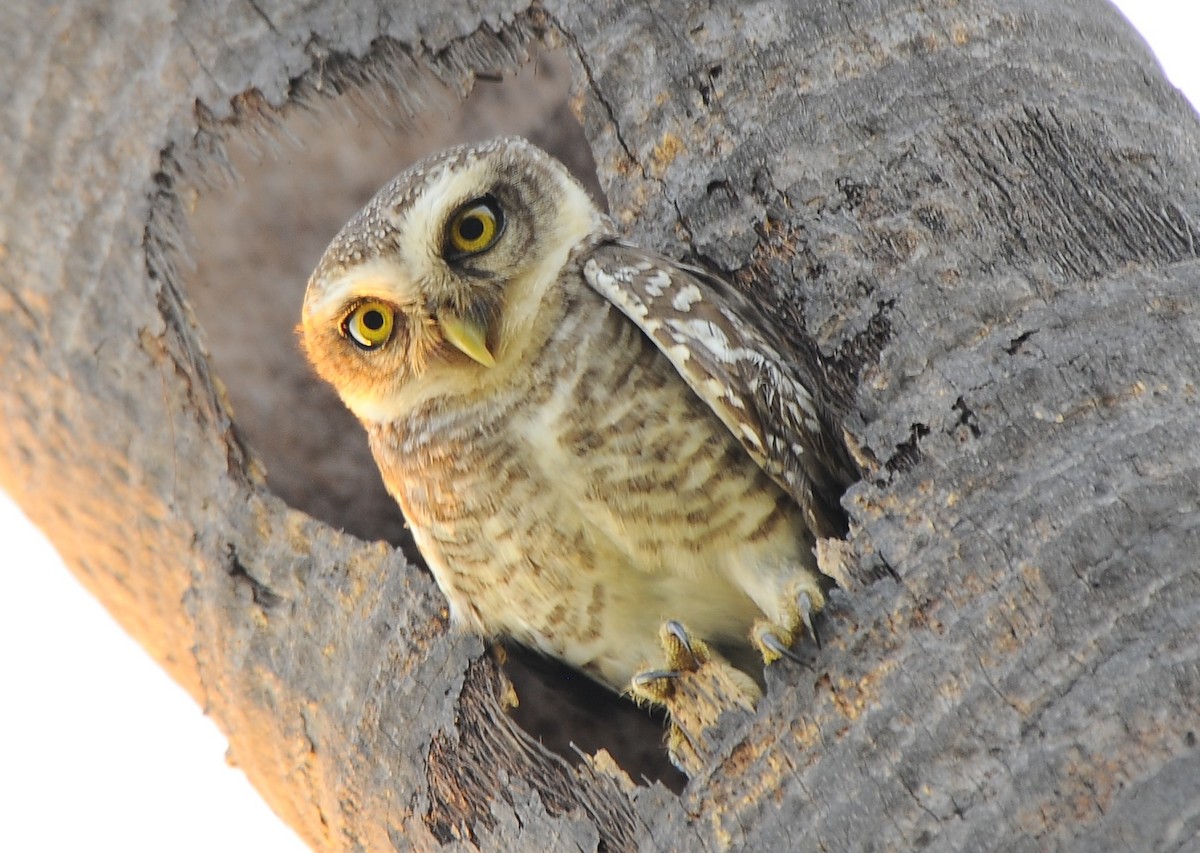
point(255, 244)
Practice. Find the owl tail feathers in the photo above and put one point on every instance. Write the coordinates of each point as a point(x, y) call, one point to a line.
point(706, 696)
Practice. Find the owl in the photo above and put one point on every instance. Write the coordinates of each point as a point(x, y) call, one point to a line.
point(587, 440)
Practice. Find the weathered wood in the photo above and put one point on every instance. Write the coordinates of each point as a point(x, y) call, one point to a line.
point(984, 217)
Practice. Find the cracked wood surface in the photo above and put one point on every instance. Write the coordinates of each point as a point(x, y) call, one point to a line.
point(983, 217)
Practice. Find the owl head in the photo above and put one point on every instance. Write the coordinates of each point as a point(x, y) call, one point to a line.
point(446, 282)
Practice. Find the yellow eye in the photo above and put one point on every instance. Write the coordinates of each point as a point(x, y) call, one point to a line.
point(474, 229)
point(370, 324)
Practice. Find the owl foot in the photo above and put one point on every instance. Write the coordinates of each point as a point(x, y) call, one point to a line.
point(681, 659)
point(698, 687)
point(774, 641)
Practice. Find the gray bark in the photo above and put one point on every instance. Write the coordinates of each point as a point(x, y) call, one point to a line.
point(984, 216)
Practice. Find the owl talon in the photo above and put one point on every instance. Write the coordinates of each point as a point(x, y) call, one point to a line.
point(682, 656)
point(644, 679)
point(805, 604)
point(771, 642)
point(676, 630)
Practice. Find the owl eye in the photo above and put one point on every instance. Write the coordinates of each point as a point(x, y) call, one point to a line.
point(474, 229)
point(370, 324)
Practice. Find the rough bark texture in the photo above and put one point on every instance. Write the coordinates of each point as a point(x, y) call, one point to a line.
point(985, 216)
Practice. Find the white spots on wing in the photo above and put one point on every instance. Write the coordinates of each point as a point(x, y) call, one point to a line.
point(805, 412)
point(686, 298)
point(709, 335)
point(656, 283)
point(712, 388)
point(750, 436)
point(610, 286)
point(679, 353)
point(728, 364)
point(597, 277)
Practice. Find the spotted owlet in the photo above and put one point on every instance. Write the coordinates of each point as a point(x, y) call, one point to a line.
point(588, 440)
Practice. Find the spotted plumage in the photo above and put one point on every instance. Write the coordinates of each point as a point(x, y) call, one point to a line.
point(586, 439)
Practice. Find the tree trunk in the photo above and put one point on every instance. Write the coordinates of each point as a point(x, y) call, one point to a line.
point(983, 215)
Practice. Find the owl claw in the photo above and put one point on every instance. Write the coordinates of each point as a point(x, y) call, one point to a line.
point(676, 630)
point(805, 604)
point(681, 656)
point(772, 643)
point(774, 639)
point(648, 677)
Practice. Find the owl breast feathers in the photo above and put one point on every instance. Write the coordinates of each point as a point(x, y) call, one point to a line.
point(586, 439)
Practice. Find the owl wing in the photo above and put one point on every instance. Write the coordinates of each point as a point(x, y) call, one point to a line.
point(760, 387)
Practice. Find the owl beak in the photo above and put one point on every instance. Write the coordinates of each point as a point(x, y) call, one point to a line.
point(468, 335)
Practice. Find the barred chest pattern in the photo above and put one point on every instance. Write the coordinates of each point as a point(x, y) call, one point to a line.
point(587, 503)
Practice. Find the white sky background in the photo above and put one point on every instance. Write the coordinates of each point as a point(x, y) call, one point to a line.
point(103, 751)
